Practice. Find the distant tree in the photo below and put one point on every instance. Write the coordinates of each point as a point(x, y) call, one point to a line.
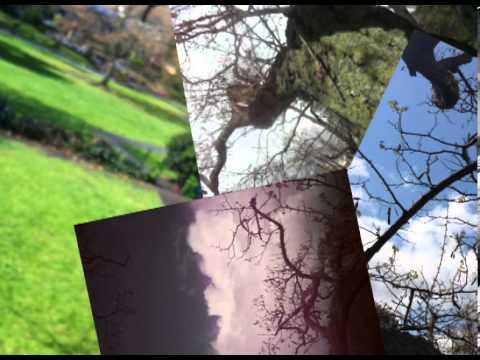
point(147, 11)
point(32, 14)
point(119, 39)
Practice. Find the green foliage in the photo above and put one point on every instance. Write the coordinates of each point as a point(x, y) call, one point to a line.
point(136, 60)
point(11, 10)
point(169, 109)
point(453, 21)
point(346, 72)
point(43, 295)
point(175, 86)
point(181, 158)
point(84, 144)
point(44, 307)
point(64, 115)
point(191, 188)
point(34, 15)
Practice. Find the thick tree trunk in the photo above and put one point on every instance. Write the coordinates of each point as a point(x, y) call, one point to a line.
point(419, 57)
point(309, 23)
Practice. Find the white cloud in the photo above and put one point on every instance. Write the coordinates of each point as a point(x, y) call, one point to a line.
point(358, 168)
point(234, 286)
point(371, 223)
point(367, 207)
point(423, 250)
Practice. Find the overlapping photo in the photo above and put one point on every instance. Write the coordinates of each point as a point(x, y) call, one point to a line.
point(280, 92)
point(335, 148)
point(414, 179)
point(273, 270)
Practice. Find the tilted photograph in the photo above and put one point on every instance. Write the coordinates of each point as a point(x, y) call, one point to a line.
point(278, 92)
point(273, 270)
point(93, 124)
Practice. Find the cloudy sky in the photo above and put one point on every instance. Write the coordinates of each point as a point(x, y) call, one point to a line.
point(422, 249)
point(248, 148)
point(159, 283)
point(237, 283)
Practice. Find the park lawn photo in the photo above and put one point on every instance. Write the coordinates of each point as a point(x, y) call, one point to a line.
point(73, 150)
point(38, 83)
point(42, 289)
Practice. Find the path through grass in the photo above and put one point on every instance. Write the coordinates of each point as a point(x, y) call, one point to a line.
point(42, 85)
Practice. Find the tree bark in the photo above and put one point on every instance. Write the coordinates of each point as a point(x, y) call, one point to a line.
point(147, 12)
point(109, 75)
point(311, 23)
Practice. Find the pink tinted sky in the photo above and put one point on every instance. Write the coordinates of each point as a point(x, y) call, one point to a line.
point(235, 284)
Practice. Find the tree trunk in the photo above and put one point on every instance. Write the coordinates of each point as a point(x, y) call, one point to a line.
point(109, 75)
point(310, 23)
point(147, 12)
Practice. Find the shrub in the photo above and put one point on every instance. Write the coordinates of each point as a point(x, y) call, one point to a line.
point(181, 158)
point(83, 142)
point(137, 163)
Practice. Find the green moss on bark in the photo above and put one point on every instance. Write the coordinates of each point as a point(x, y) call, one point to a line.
point(346, 72)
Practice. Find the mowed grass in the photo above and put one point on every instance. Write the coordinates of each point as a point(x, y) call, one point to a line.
point(42, 85)
point(30, 33)
point(44, 307)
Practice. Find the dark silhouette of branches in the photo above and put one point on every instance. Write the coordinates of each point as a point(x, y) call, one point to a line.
point(316, 284)
point(107, 266)
point(243, 95)
point(436, 306)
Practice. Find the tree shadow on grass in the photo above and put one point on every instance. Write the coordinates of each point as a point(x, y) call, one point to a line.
point(28, 107)
point(152, 109)
point(34, 120)
point(15, 55)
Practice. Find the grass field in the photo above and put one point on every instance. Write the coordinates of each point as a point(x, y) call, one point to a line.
point(43, 299)
point(28, 32)
point(44, 306)
point(42, 85)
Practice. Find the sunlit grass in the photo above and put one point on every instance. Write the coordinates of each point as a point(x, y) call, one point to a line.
point(44, 306)
point(43, 86)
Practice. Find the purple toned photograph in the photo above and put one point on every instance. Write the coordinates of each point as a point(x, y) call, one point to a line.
point(274, 270)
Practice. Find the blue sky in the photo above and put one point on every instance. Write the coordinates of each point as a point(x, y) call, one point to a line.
point(411, 92)
point(420, 248)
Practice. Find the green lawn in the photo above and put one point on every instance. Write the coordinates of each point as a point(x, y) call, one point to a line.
point(44, 307)
point(30, 33)
point(43, 85)
point(149, 103)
